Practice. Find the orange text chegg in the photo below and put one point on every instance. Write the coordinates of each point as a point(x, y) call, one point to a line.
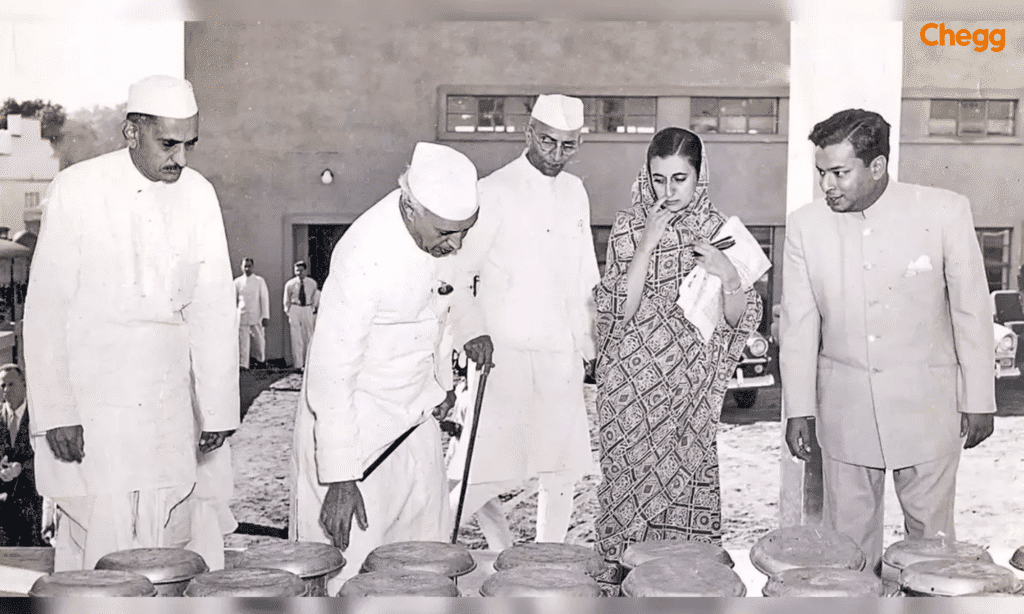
point(933, 34)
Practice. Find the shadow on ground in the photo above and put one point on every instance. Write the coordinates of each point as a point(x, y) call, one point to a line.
point(767, 408)
point(1010, 397)
point(252, 382)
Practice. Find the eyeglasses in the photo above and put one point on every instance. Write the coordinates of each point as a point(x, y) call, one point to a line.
point(548, 144)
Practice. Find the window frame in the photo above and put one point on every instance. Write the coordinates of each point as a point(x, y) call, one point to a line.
point(776, 103)
point(1007, 262)
point(669, 117)
point(917, 134)
point(33, 200)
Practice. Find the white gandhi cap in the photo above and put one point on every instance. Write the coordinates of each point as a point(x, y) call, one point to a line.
point(162, 96)
point(443, 180)
point(558, 111)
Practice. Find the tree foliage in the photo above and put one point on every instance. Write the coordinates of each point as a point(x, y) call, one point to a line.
point(51, 116)
point(90, 133)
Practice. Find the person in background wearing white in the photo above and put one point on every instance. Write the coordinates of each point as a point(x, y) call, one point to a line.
point(534, 252)
point(380, 367)
point(301, 301)
point(253, 315)
point(130, 313)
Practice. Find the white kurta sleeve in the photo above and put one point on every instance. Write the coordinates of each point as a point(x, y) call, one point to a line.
point(53, 283)
point(969, 309)
point(467, 320)
point(210, 317)
point(264, 300)
point(799, 331)
point(588, 276)
point(336, 354)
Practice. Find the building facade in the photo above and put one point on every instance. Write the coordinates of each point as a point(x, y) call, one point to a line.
point(28, 163)
point(281, 103)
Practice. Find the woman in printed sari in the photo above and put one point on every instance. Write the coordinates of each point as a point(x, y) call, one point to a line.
point(660, 385)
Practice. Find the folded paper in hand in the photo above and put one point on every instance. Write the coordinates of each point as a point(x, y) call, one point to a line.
point(699, 290)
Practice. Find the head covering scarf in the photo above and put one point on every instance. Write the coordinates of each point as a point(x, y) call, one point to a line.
point(660, 386)
point(700, 217)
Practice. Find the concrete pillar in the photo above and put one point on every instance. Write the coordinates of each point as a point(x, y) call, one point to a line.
point(842, 56)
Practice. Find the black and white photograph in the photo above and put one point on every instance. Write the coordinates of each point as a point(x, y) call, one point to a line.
point(583, 303)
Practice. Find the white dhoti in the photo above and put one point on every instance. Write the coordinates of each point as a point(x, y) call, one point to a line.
point(405, 500)
point(212, 515)
point(533, 424)
point(252, 342)
point(533, 419)
point(195, 517)
point(90, 527)
point(300, 325)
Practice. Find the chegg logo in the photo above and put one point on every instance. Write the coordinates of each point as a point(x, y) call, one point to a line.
point(933, 34)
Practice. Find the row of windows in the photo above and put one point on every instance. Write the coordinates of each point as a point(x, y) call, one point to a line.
point(608, 114)
point(708, 115)
point(972, 118)
point(615, 114)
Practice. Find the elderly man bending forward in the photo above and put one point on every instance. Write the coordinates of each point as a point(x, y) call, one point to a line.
point(380, 365)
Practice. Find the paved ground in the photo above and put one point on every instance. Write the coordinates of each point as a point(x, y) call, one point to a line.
point(990, 498)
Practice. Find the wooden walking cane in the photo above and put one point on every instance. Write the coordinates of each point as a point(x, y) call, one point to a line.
point(469, 449)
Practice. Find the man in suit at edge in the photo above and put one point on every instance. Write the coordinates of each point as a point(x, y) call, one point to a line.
point(886, 337)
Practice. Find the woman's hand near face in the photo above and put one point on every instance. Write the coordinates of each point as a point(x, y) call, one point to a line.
point(657, 221)
point(654, 227)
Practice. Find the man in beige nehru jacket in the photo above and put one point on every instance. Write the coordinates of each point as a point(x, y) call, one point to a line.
point(534, 252)
point(886, 348)
point(130, 314)
point(379, 374)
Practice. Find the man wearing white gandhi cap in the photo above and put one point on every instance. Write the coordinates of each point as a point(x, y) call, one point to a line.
point(534, 253)
point(130, 345)
point(379, 366)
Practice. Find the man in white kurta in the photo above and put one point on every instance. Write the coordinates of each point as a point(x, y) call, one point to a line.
point(253, 315)
point(130, 299)
point(537, 269)
point(380, 364)
point(301, 300)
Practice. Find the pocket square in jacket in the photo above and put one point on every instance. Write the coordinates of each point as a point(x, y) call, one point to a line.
point(923, 264)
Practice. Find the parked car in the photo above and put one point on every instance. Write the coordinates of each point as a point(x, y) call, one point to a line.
point(757, 366)
point(755, 370)
point(1006, 352)
point(1008, 311)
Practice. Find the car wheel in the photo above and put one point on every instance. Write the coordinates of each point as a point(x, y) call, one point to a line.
point(745, 399)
